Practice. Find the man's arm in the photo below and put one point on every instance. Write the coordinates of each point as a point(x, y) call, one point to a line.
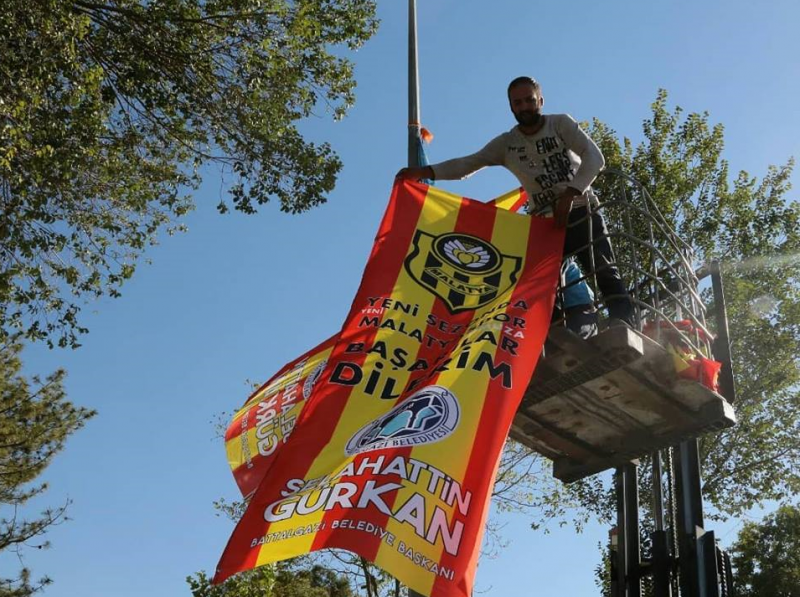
point(415, 173)
point(418, 173)
point(491, 154)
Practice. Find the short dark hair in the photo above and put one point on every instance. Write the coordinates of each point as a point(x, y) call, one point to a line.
point(524, 81)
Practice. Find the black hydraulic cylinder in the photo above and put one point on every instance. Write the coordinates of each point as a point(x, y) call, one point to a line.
point(708, 555)
point(633, 541)
point(628, 568)
point(690, 520)
point(661, 564)
point(619, 569)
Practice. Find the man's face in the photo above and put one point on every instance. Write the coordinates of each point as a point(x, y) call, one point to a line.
point(526, 104)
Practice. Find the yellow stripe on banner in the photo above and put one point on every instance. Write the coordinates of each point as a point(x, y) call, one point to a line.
point(235, 453)
point(508, 200)
point(510, 236)
point(439, 218)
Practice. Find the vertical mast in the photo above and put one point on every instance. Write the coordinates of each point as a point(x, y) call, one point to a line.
point(413, 112)
point(413, 87)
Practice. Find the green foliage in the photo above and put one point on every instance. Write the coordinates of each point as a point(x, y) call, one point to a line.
point(36, 420)
point(602, 572)
point(110, 111)
point(752, 227)
point(766, 556)
point(294, 578)
point(259, 582)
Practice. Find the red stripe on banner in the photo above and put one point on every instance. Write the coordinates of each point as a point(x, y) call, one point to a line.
point(473, 218)
point(313, 432)
point(520, 203)
point(496, 416)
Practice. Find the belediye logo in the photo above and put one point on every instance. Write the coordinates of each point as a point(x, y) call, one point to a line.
point(425, 417)
point(465, 271)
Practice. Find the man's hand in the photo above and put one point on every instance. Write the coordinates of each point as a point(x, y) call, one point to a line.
point(564, 206)
point(424, 172)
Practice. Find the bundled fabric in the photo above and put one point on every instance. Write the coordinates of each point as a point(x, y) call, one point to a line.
point(394, 453)
point(689, 362)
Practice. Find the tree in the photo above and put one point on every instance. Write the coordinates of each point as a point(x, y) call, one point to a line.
point(110, 111)
point(751, 226)
point(766, 555)
point(35, 421)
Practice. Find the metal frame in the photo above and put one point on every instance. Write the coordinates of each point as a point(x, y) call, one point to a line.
point(685, 560)
point(657, 264)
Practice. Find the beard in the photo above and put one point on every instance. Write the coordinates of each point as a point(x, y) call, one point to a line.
point(528, 117)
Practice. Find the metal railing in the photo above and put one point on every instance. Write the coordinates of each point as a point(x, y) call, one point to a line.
point(658, 268)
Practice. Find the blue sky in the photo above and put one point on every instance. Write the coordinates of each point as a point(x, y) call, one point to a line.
point(238, 296)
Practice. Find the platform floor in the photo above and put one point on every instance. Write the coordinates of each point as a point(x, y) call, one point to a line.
point(595, 404)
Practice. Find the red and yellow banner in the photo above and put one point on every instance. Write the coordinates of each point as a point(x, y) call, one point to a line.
point(265, 421)
point(395, 452)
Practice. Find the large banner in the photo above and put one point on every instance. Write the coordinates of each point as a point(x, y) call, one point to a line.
point(268, 417)
point(395, 452)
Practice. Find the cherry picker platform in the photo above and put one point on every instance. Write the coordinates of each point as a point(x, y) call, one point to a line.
point(597, 404)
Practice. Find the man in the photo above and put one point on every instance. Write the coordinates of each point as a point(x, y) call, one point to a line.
point(555, 162)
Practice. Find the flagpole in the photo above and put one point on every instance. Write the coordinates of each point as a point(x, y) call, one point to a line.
point(413, 87)
point(413, 113)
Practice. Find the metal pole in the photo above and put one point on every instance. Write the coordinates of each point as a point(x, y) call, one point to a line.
point(413, 112)
point(660, 561)
point(693, 572)
point(621, 569)
point(413, 86)
point(632, 539)
point(658, 496)
point(629, 564)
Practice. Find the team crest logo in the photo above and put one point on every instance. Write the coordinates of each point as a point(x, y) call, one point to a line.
point(466, 272)
point(425, 417)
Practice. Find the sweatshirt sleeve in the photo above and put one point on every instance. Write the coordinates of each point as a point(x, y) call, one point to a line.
point(492, 154)
point(578, 141)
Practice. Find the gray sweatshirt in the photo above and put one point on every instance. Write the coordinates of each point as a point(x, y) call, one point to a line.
point(558, 156)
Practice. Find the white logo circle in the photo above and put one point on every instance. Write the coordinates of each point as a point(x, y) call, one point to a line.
point(425, 417)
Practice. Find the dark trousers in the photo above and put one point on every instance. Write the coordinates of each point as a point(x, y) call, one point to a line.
point(609, 281)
